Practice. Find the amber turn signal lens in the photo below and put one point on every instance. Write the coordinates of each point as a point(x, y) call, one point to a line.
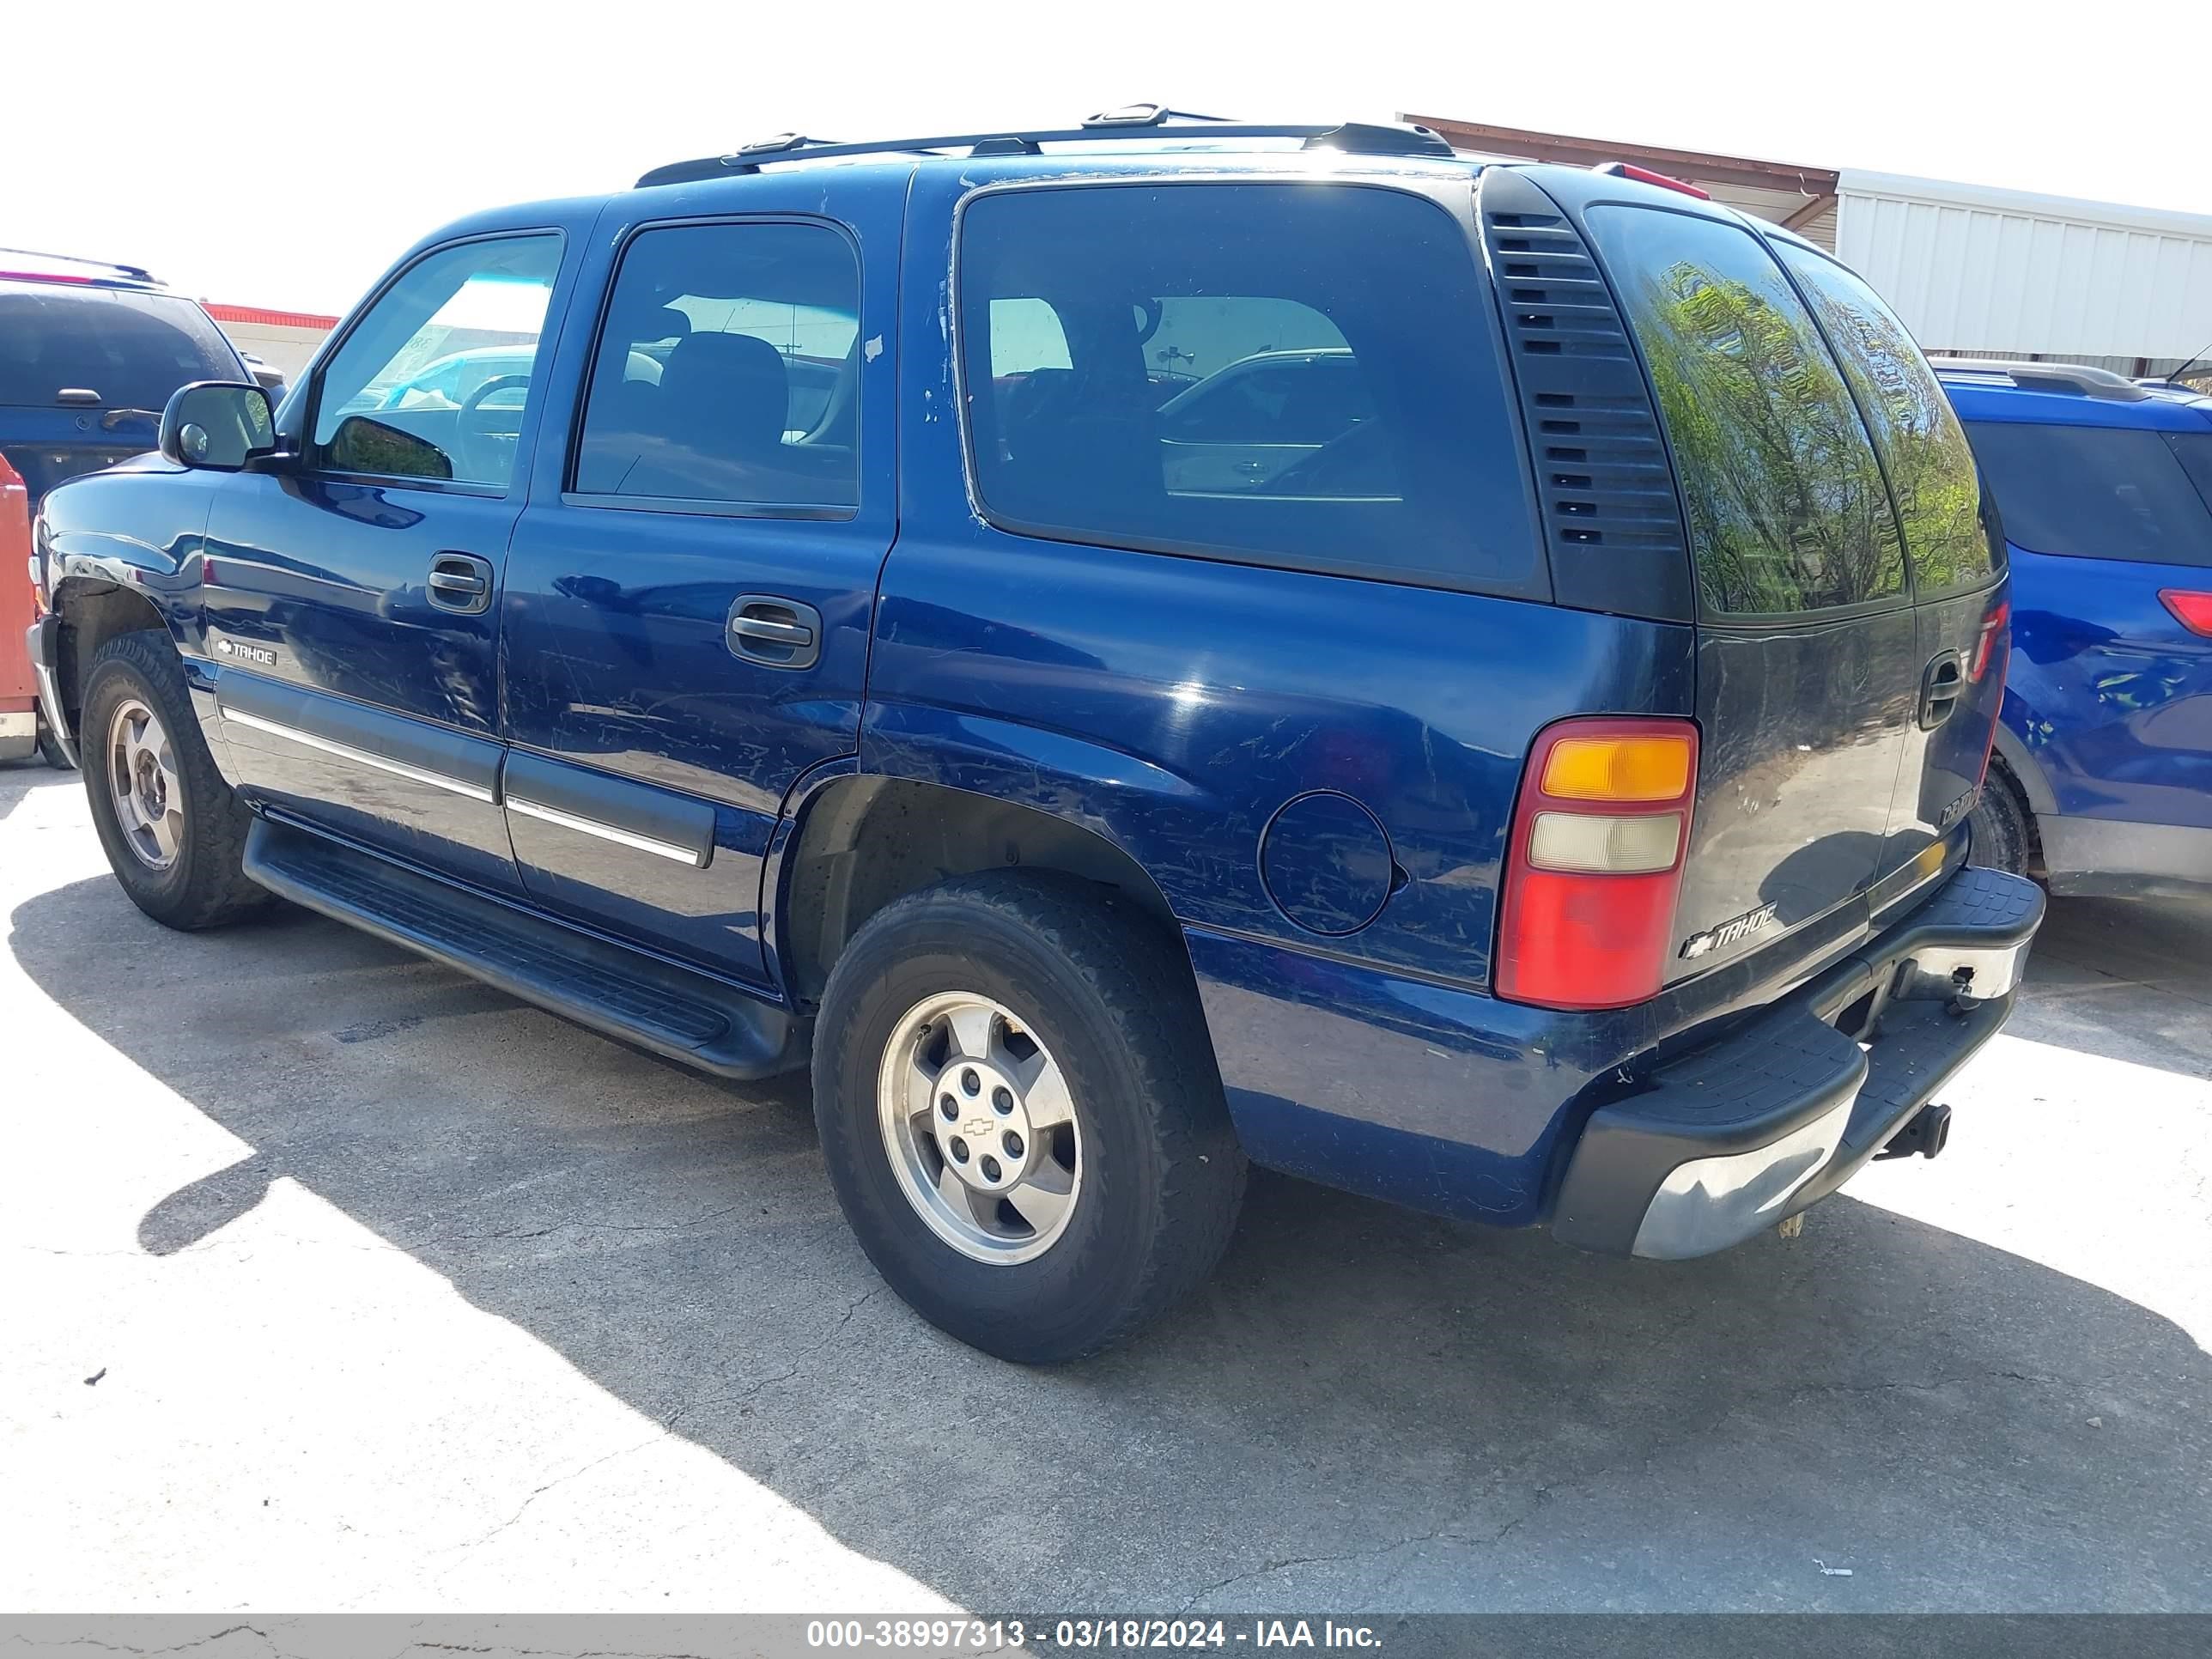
point(1618, 768)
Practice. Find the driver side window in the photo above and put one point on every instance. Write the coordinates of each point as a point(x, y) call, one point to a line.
point(433, 380)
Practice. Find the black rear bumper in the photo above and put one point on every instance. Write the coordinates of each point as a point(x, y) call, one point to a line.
point(1734, 1137)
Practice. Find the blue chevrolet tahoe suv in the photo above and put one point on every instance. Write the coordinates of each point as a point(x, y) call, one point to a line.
point(2102, 781)
point(1522, 774)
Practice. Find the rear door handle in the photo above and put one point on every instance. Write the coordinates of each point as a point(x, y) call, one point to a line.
point(1944, 678)
point(775, 632)
point(461, 582)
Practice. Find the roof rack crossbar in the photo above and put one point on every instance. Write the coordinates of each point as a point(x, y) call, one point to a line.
point(1151, 125)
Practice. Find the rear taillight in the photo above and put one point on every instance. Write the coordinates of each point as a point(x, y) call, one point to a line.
point(2192, 610)
point(1595, 861)
point(1993, 628)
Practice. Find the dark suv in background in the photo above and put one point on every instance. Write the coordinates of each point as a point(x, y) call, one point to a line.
point(1507, 749)
point(89, 355)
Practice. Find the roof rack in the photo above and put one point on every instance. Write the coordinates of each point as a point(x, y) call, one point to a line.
point(136, 273)
point(2078, 378)
point(1139, 121)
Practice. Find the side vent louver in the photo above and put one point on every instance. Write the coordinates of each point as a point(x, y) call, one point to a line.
point(1612, 520)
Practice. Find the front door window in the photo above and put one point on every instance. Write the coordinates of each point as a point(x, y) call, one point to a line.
point(432, 382)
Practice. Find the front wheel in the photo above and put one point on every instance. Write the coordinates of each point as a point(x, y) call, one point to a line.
point(1022, 1116)
point(174, 833)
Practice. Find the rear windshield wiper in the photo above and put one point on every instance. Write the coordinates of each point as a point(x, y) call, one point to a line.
point(115, 417)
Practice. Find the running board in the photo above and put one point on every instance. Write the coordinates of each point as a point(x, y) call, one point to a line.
point(614, 989)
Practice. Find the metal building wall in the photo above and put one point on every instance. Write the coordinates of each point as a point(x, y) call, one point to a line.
point(1973, 269)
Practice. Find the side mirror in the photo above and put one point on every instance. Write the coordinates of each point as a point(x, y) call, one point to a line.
point(220, 425)
point(361, 444)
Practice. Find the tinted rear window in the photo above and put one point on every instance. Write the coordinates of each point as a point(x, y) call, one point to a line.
point(1787, 508)
point(2094, 492)
point(1924, 452)
point(1299, 374)
point(134, 350)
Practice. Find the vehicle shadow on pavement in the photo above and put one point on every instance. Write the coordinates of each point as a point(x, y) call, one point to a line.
point(1366, 1407)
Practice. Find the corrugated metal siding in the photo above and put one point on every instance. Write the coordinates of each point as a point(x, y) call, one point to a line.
point(1978, 269)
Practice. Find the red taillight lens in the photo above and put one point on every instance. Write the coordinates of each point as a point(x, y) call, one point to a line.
point(1595, 861)
point(1993, 629)
point(2192, 610)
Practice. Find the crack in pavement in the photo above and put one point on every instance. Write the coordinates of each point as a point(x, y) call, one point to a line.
point(462, 1551)
point(798, 1362)
point(1442, 1534)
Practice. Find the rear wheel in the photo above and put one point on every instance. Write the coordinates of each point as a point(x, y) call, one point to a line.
point(1021, 1114)
point(174, 833)
point(2003, 832)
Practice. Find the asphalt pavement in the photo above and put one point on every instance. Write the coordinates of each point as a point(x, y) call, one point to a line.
point(332, 1279)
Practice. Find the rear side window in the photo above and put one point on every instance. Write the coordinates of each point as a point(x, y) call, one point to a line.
point(131, 349)
point(1223, 369)
point(1924, 448)
point(2194, 451)
point(2088, 492)
point(728, 369)
point(1787, 508)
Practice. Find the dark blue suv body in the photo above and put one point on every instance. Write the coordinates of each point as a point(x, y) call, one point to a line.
point(1505, 750)
point(2105, 758)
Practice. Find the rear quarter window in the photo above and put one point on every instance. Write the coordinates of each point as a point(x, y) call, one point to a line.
point(2085, 492)
point(1298, 374)
point(1924, 452)
point(132, 349)
point(1787, 507)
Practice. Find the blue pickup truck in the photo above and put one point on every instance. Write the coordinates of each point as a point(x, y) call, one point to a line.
point(1508, 750)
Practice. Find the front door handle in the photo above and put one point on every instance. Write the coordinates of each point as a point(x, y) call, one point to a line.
point(774, 632)
point(1944, 678)
point(461, 582)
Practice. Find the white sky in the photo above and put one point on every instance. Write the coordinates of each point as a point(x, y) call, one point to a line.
point(285, 155)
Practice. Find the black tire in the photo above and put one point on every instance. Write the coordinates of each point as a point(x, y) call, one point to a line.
point(205, 886)
point(1111, 999)
point(2003, 829)
point(51, 751)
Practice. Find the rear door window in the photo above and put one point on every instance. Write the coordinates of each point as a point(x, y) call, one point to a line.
point(1924, 452)
point(2088, 492)
point(1787, 508)
point(728, 371)
point(1216, 369)
point(131, 349)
